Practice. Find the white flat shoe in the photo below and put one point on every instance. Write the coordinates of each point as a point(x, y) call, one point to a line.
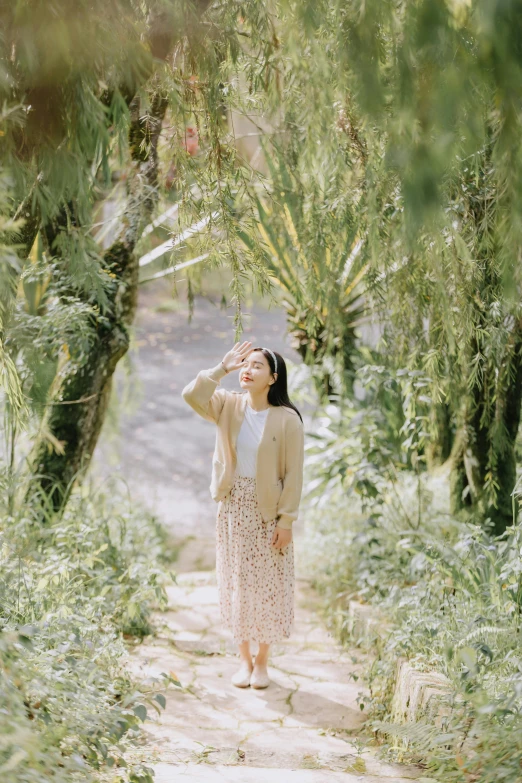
point(259, 678)
point(241, 679)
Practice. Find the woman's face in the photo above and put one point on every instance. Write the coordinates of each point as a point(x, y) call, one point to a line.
point(255, 375)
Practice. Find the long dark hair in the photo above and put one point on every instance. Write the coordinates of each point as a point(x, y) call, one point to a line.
point(278, 391)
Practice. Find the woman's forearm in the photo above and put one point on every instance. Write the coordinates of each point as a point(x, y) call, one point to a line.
point(203, 393)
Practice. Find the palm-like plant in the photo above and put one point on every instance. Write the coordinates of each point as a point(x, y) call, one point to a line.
point(313, 252)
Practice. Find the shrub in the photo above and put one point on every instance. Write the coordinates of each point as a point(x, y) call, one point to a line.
point(452, 593)
point(69, 593)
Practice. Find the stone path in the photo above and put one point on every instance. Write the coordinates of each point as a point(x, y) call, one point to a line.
point(304, 728)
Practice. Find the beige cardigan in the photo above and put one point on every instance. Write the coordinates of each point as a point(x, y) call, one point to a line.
point(279, 466)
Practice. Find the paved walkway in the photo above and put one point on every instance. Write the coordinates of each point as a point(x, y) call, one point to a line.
point(304, 728)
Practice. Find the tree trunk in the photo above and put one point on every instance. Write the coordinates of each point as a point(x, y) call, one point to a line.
point(439, 447)
point(80, 395)
point(25, 241)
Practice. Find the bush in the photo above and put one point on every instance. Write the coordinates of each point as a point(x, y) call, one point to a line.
point(452, 593)
point(69, 593)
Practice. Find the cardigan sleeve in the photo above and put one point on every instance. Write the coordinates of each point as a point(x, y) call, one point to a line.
point(203, 394)
point(293, 481)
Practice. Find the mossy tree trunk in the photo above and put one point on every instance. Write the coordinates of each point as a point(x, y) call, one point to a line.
point(80, 394)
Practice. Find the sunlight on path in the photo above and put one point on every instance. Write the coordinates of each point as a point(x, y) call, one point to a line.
point(304, 727)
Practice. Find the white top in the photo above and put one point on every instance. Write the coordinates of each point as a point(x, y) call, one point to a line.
point(248, 439)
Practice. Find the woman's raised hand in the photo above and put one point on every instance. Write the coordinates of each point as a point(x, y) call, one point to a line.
point(233, 359)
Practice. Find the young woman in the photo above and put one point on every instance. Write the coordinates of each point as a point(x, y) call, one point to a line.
point(257, 476)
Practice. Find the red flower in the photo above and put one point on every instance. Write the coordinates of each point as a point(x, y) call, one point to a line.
point(191, 140)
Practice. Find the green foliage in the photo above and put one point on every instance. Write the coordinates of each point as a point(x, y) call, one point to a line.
point(419, 99)
point(85, 96)
point(452, 595)
point(68, 594)
point(422, 77)
point(10, 267)
point(360, 446)
point(311, 247)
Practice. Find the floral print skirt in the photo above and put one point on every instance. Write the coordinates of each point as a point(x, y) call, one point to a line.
point(255, 580)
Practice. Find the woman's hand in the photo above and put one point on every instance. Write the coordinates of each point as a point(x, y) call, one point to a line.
point(233, 360)
point(281, 538)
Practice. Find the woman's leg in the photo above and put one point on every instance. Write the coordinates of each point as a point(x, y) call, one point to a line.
point(262, 656)
point(244, 653)
point(242, 677)
point(259, 677)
